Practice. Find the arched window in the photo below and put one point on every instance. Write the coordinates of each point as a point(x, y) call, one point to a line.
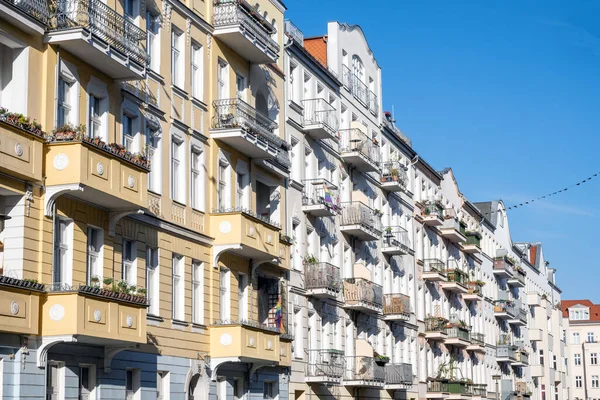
point(358, 68)
point(274, 34)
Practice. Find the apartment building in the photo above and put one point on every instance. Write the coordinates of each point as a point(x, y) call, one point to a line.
point(582, 335)
point(150, 191)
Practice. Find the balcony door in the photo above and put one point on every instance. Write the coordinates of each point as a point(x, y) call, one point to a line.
point(225, 294)
point(223, 80)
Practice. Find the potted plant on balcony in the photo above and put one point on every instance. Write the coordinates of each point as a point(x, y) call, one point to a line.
point(309, 259)
point(68, 132)
point(388, 231)
point(95, 281)
point(381, 359)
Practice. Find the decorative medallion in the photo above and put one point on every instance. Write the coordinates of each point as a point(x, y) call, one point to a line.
point(251, 231)
point(225, 227)
point(57, 312)
point(19, 149)
point(269, 344)
point(61, 161)
point(131, 181)
point(14, 308)
point(100, 169)
point(226, 339)
point(251, 341)
point(269, 238)
point(97, 315)
point(129, 321)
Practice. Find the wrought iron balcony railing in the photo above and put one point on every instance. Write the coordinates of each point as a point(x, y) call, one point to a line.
point(357, 213)
point(359, 290)
point(478, 338)
point(320, 191)
point(239, 12)
point(434, 265)
point(435, 324)
point(103, 22)
point(479, 389)
point(320, 112)
point(354, 140)
point(400, 373)
point(373, 103)
point(396, 236)
point(396, 303)
point(37, 9)
point(323, 275)
point(459, 333)
point(325, 363)
point(363, 369)
point(433, 208)
point(293, 32)
point(394, 171)
point(358, 88)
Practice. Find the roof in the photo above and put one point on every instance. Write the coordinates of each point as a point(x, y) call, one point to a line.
point(317, 47)
point(594, 308)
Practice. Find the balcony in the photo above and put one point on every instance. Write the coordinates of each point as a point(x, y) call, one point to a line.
point(503, 267)
point(320, 198)
point(458, 337)
point(30, 16)
point(247, 234)
point(396, 307)
point(22, 146)
point(88, 169)
point(520, 318)
point(518, 278)
point(247, 130)
point(320, 119)
point(240, 26)
point(99, 36)
point(477, 343)
point(93, 313)
point(398, 376)
point(322, 280)
point(434, 270)
point(479, 390)
point(432, 214)
point(360, 90)
point(360, 221)
point(537, 371)
point(473, 243)
point(363, 372)
point(325, 366)
point(451, 228)
point(445, 389)
point(359, 150)
point(293, 32)
point(506, 350)
point(245, 341)
point(504, 309)
point(395, 241)
point(534, 299)
point(521, 359)
point(20, 309)
point(456, 282)
point(535, 335)
point(393, 176)
point(363, 295)
point(435, 328)
point(473, 291)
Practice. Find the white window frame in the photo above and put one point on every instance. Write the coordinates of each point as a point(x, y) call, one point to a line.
point(178, 285)
point(595, 382)
point(576, 338)
point(198, 292)
point(153, 280)
point(154, 146)
point(225, 294)
point(129, 266)
point(577, 359)
point(223, 183)
point(153, 39)
point(91, 380)
point(594, 359)
point(242, 185)
point(197, 71)
point(269, 391)
point(97, 90)
point(578, 382)
point(222, 80)
point(63, 244)
point(177, 58)
point(131, 140)
point(135, 392)
point(95, 259)
point(243, 296)
point(163, 384)
point(177, 155)
point(197, 178)
point(241, 84)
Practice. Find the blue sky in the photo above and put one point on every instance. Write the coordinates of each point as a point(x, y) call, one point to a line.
point(504, 93)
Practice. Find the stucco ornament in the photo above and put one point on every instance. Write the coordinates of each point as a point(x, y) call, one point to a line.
point(14, 308)
point(19, 149)
point(131, 181)
point(100, 169)
point(57, 312)
point(226, 339)
point(61, 161)
point(225, 227)
point(97, 315)
point(129, 321)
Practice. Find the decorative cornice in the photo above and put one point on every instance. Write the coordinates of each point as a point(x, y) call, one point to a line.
point(187, 13)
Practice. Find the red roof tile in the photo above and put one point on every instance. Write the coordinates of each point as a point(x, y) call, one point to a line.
point(317, 47)
point(594, 308)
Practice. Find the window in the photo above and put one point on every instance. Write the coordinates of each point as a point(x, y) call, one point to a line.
point(95, 124)
point(178, 287)
point(197, 175)
point(242, 184)
point(577, 358)
point(197, 71)
point(541, 357)
point(87, 379)
point(128, 135)
point(225, 294)
point(554, 361)
point(176, 58)
point(293, 83)
point(129, 274)
point(129, 8)
point(13, 72)
point(240, 86)
point(576, 338)
point(152, 39)
point(543, 392)
point(97, 109)
point(162, 385)
point(223, 80)
point(578, 383)
point(590, 337)
point(152, 280)
point(222, 188)
point(594, 381)
point(198, 292)
point(243, 296)
point(65, 102)
point(153, 144)
point(63, 241)
point(177, 170)
point(132, 384)
point(95, 241)
point(298, 344)
point(594, 359)
point(268, 390)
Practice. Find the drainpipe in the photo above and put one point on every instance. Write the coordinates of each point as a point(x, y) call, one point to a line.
point(585, 388)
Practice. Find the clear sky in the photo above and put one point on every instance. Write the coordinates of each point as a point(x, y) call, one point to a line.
point(505, 93)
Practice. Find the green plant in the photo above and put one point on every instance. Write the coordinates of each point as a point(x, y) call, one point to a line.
point(141, 291)
point(108, 281)
point(132, 289)
point(310, 259)
point(30, 280)
point(122, 286)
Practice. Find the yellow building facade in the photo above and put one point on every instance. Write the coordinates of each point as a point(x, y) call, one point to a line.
point(142, 177)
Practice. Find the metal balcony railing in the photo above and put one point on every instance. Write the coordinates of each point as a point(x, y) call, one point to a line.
point(478, 338)
point(473, 238)
point(325, 363)
point(37, 9)
point(320, 112)
point(508, 307)
point(396, 236)
point(479, 389)
point(435, 324)
point(354, 140)
point(373, 103)
point(400, 373)
point(394, 171)
point(239, 12)
point(320, 191)
point(458, 333)
point(247, 212)
point(293, 32)
point(359, 290)
point(363, 369)
point(357, 213)
point(434, 265)
point(358, 88)
point(323, 275)
point(456, 275)
point(453, 387)
point(235, 113)
point(104, 22)
point(433, 208)
point(502, 264)
point(396, 303)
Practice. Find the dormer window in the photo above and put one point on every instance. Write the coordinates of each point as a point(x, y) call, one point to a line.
point(579, 313)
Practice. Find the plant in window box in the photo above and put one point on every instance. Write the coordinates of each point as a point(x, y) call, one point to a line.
point(68, 132)
point(395, 173)
point(388, 231)
point(310, 259)
point(381, 359)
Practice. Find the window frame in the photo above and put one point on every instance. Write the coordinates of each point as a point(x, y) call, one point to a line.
point(128, 266)
point(197, 292)
point(153, 280)
point(92, 255)
point(63, 248)
point(196, 70)
point(177, 58)
point(178, 287)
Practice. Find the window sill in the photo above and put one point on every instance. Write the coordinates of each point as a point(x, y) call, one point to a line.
point(153, 317)
point(155, 192)
point(198, 328)
point(197, 102)
point(180, 92)
point(296, 107)
point(177, 324)
point(179, 203)
point(155, 75)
